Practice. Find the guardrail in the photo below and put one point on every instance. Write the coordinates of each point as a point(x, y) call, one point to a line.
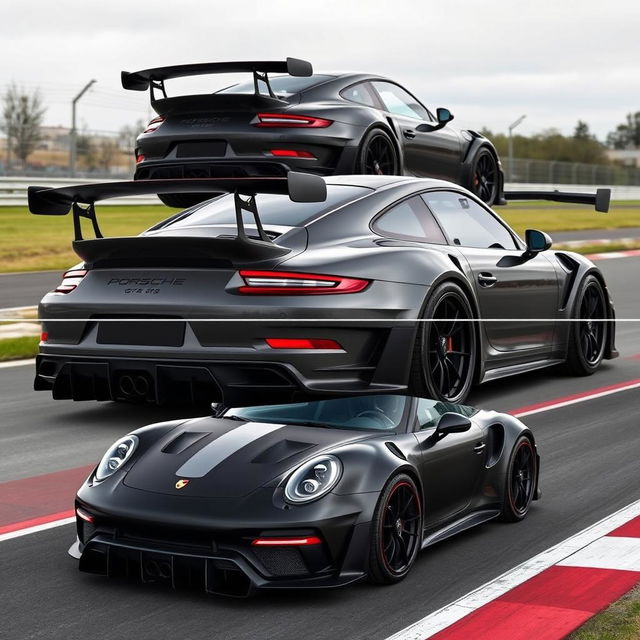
point(13, 191)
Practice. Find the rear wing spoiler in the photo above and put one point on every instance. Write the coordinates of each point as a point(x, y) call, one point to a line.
point(600, 200)
point(300, 187)
point(155, 78)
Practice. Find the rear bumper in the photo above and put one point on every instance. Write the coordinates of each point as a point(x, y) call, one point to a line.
point(379, 362)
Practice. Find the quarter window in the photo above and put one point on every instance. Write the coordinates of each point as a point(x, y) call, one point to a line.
point(397, 100)
point(466, 223)
point(359, 93)
point(410, 220)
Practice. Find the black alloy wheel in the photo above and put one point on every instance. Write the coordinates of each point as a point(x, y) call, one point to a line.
point(445, 365)
point(397, 531)
point(589, 330)
point(378, 155)
point(484, 180)
point(520, 482)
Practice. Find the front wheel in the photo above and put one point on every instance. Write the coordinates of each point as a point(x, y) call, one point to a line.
point(445, 352)
point(396, 531)
point(589, 329)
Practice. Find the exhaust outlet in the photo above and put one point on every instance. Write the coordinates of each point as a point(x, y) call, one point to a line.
point(141, 385)
point(127, 386)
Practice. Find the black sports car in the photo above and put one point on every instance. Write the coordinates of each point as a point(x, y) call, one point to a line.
point(316, 494)
point(358, 284)
point(347, 123)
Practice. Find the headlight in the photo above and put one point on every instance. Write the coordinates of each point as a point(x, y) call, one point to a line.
point(313, 479)
point(119, 452)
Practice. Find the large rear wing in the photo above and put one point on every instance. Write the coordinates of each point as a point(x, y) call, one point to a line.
point(155, 78)
point(600, 200)
point(81, 199)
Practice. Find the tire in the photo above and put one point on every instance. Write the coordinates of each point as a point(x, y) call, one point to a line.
point(377, 155)
point(485, 178)
point(588, 337)
point(395, 539)
point(183, 200)
point(519, 489)
point(445, 351)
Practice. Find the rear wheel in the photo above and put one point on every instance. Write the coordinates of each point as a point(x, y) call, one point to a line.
point(444, 356)
point(377, 155)
point(396, 531)
point(589, 330)
point(520, 483)
point(183, 200)
point(484, 177)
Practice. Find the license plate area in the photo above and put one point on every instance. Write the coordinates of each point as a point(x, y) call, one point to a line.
point(201, 149)
point(156, 333)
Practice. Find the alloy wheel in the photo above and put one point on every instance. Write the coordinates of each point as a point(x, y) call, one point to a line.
point(379, 157)
point(592, 325)
point(485, 178)
point(522, 478)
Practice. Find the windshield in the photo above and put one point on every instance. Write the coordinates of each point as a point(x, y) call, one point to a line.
point(273, 209)
point(282, 86)
point(375, 413)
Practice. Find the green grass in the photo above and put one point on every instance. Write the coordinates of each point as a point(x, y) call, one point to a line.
point(19, 348)
point(32, 243)
point(621, 621)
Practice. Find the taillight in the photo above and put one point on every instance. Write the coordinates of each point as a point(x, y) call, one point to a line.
point(303, 343)
point(290, 120)
point(154, 124)
point(299, 541)
point(44, 336)
point(70, 280)
point(286, 283)
point(291, 153)
point(140, 158)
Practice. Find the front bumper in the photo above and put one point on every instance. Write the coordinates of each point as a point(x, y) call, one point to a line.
point(166, 541)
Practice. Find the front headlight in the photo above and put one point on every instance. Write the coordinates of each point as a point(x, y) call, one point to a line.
point(313, 479)
point(117, 454)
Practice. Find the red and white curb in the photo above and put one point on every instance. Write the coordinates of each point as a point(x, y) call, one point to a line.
point(550, 595)
point(612, 255)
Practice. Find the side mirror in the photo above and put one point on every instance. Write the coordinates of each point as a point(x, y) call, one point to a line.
point(442, 115)
point(452, 423)
point(537, 241)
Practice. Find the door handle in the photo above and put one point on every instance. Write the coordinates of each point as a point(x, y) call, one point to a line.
point(479, 448)
point(409, 133)
point(487, 280)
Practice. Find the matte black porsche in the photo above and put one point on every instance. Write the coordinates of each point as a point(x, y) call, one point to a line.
point(308, 495)
point(323, 123)
point(354, 284)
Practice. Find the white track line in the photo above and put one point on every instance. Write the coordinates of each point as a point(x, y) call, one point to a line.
point(451, 613)
point(36, 529)
point(16, 363)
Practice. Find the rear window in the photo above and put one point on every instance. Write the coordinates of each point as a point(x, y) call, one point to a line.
point(273, 209)
point(282, 86)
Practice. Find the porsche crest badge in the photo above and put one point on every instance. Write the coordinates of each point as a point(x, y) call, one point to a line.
point(181, 484)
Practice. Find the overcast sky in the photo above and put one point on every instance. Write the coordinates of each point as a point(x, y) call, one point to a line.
point(489, 61)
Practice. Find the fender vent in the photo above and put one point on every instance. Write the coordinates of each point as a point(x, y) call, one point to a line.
point(394, 449)
point(495, 444)
point(571, 267)
point(456, 263)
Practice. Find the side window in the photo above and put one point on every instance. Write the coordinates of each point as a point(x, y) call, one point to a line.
point(399, 101)
point(466, 223)
point(410, 220)
point(359, 93)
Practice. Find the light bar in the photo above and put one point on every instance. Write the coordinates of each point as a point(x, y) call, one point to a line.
point(286, 542)
point(302, 343)
point(291, 153)
point(70, 280)
point(289, 283)
point(83, 515)
point(290, 120)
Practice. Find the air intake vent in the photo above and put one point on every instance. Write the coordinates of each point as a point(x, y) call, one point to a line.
point(183, 441)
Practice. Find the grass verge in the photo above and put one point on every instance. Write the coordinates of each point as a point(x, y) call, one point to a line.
point(32, 243)
point(19, 348)
point(621, 621)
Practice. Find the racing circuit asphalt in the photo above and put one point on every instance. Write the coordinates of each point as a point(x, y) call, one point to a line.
point(589, 452)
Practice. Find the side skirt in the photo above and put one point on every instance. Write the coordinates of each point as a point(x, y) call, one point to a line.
point(462, 524)
point(515, 369)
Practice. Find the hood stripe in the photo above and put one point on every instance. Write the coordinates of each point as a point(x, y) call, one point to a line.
point(221, 448)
